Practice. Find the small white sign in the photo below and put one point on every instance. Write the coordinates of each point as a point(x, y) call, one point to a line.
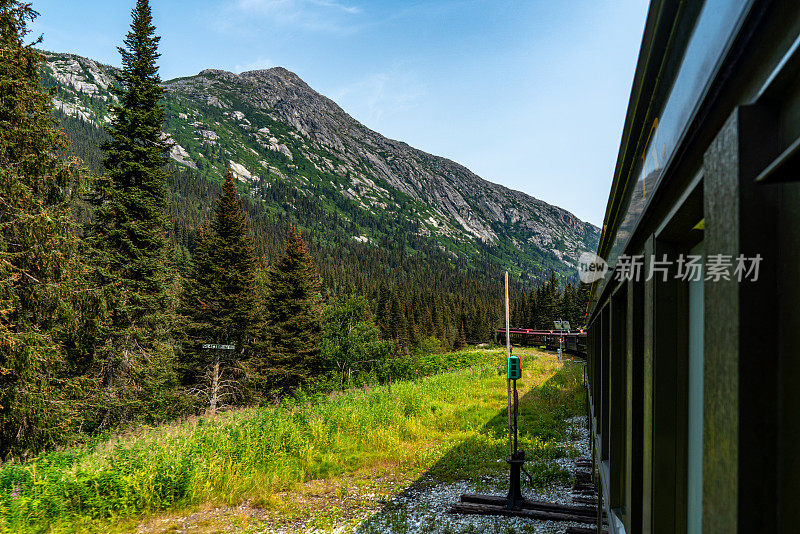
point(218, 347)
point(558, 325)
point(565, 325)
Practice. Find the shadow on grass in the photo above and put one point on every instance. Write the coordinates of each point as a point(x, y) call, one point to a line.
point(480, 460)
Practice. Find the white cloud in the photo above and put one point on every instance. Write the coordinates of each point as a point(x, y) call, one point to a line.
point(258, 64)
point(313, 15)
point(294, 5)
point(380, 95)
point(353, 10)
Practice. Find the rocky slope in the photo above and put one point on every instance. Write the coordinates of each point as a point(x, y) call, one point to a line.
point(269, 127)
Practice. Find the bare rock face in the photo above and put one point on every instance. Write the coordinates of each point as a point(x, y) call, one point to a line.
point(272, 121)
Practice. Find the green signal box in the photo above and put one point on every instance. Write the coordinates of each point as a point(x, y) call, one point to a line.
point(514, 369)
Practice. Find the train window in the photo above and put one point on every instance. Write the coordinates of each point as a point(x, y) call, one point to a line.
point(694, 490)
point(677, 359)
point(634, 427)
point(618, 403)
point(605, 432)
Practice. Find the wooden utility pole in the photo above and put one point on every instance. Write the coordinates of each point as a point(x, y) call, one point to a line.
point(508, 378)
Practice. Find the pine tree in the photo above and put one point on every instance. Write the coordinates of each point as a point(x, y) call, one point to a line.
point(550, 302)
point(568, 297)
point(129, 231)
point(37, 247)
point(219, 302)
point(398, 322)
point(461, 338)
point(292, 315)
point(383, 314)
point(478, 326)
point(581, 305)
point(533, 311)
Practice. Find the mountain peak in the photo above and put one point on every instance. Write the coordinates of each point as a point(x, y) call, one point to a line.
point(214, 72)
point(272, 129)
point(285, 76)
point(277, 71)
point(281, 73)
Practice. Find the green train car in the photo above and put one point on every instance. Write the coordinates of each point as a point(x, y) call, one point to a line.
point(693, 363)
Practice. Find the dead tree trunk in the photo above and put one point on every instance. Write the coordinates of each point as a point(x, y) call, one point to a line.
point(214, 386)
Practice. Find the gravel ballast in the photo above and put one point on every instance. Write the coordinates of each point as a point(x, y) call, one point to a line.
point(423, 508)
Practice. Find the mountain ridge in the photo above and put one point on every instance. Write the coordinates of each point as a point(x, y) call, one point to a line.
point(269, 126)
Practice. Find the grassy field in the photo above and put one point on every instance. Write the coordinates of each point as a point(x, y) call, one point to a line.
point(449, 426)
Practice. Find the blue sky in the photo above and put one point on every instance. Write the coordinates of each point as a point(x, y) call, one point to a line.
point(530, 94)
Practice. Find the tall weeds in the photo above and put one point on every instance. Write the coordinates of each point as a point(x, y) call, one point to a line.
point(253, 453)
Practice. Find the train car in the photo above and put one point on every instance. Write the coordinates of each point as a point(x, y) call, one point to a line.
point(575, 344)
point(694, 331)
point(571, 341)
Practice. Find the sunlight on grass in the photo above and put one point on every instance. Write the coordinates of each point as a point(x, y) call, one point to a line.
point(453, 424)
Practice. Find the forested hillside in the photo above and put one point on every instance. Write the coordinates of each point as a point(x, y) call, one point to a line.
point(147, 277)
point(407, 269)
point(419, 287)
point(285, 142)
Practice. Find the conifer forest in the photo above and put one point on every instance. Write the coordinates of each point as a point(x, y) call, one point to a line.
point(122, 273)
point(399, 267)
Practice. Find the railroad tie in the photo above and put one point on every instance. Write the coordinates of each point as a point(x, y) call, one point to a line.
point(583, 530)
point(495, 505)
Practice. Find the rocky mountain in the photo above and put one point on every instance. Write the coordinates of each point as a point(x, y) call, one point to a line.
point(276, 133)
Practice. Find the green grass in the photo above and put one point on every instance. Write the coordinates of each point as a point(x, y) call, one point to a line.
point(451, 425)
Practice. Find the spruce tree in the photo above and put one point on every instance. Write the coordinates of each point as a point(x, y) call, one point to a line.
point(461, 338)
point(550, 306)
point(292, 313)
point(567, 304)
point(581, 305)
point(129, 230)
point(533, 310)
point(383, 314)
point(37, 247)
point(398, 322)
point(219, 302)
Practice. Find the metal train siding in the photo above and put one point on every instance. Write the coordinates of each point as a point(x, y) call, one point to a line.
point(694, 406)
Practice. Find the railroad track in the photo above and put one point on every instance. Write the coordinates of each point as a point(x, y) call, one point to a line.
point(583, 493)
